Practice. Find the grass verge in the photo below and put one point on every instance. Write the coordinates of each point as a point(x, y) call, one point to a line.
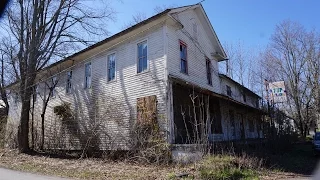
point(211, 167)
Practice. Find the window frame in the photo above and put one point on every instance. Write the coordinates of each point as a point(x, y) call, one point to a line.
point(35, 93)
point(208, 71)
point(183, 44)
point(229, 90)
point(69, 81)
point(85, 85)
point(52, 93)
point(244, 96)
point(138, 58)
point(16, 98)
point(115, 67)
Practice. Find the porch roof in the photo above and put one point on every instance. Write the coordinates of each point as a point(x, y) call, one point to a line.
point(209, 92)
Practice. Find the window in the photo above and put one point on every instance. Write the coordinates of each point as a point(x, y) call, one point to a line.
point(244, 97)
point(183, 58)
point(146, 110)
point(229, 92)
point(87, 80)
point(69, 82)
point(232, 122)
point(209, 69)
point(53, 87)
point(35, 93)
point(257, 103)
point(111, 67)
point(142, 57)
point(16, 98)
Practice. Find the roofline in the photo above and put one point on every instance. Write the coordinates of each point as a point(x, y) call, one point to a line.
point(121, 33)
point(207, 91)
point(213, 31)
point(247, 89)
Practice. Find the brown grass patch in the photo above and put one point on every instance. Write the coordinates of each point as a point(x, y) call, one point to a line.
point(92, 168)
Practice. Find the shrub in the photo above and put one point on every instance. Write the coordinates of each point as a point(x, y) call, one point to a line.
point(229, 167)
point(148, 145)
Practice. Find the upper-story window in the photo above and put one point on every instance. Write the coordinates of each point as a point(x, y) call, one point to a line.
point(183, 58)
point(53, 87)
point(35, 93)
point(257, 103)
point(244, 97)
point(69, 82)
point(111, 67)
point(87, 79)
point(229, 92)
point(142, 57)
point(209, 69)
point(16, 98)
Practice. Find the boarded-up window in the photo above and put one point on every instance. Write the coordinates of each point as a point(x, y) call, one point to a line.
point(147, 110)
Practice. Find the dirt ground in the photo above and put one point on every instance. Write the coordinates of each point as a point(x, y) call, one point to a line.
point(91, 168)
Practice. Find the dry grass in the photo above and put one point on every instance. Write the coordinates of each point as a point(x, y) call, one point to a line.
point(106, 169)
point(84, 168)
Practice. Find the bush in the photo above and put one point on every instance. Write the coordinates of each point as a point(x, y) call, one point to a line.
point(148, 145)
point(229, 167)
point(3, 123)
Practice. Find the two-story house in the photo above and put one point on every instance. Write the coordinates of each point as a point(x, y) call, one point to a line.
point(165, 68)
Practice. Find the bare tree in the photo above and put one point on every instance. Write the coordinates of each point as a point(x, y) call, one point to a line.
point(141, 16)
point(159, 9)
point(42, 31)
point(136, 18)
point(291, 57)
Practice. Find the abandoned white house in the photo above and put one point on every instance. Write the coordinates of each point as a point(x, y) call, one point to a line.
point(166, 65)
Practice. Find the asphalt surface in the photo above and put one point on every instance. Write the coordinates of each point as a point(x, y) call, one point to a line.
point(6, 174)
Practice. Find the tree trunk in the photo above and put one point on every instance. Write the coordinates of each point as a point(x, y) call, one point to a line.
point(23, 132)
point(42, 131)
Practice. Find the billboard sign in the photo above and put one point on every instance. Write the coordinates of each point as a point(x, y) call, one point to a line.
point(277, 92)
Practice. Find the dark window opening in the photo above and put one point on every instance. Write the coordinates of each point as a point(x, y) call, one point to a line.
point(229, 92)
point(69, 83)
point(209, 69)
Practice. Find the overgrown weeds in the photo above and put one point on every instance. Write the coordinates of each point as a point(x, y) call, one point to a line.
point(3, 122)
point(149, 146)
point(229, 167)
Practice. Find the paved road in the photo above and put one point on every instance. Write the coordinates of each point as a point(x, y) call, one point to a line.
point(6, 174)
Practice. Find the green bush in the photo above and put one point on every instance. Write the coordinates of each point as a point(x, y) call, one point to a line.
point(227, 167)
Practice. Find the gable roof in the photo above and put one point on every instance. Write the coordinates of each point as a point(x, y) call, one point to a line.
point(220, 54)
point(166, 12)
point(238, 84)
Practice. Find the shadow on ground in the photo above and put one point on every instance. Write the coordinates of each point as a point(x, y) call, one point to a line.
point(300, 159)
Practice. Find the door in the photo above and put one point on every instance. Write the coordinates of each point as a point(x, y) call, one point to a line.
point(232, 125)
point(242, 134)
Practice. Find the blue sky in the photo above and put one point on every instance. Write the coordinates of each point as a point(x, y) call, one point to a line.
point(250, 21)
